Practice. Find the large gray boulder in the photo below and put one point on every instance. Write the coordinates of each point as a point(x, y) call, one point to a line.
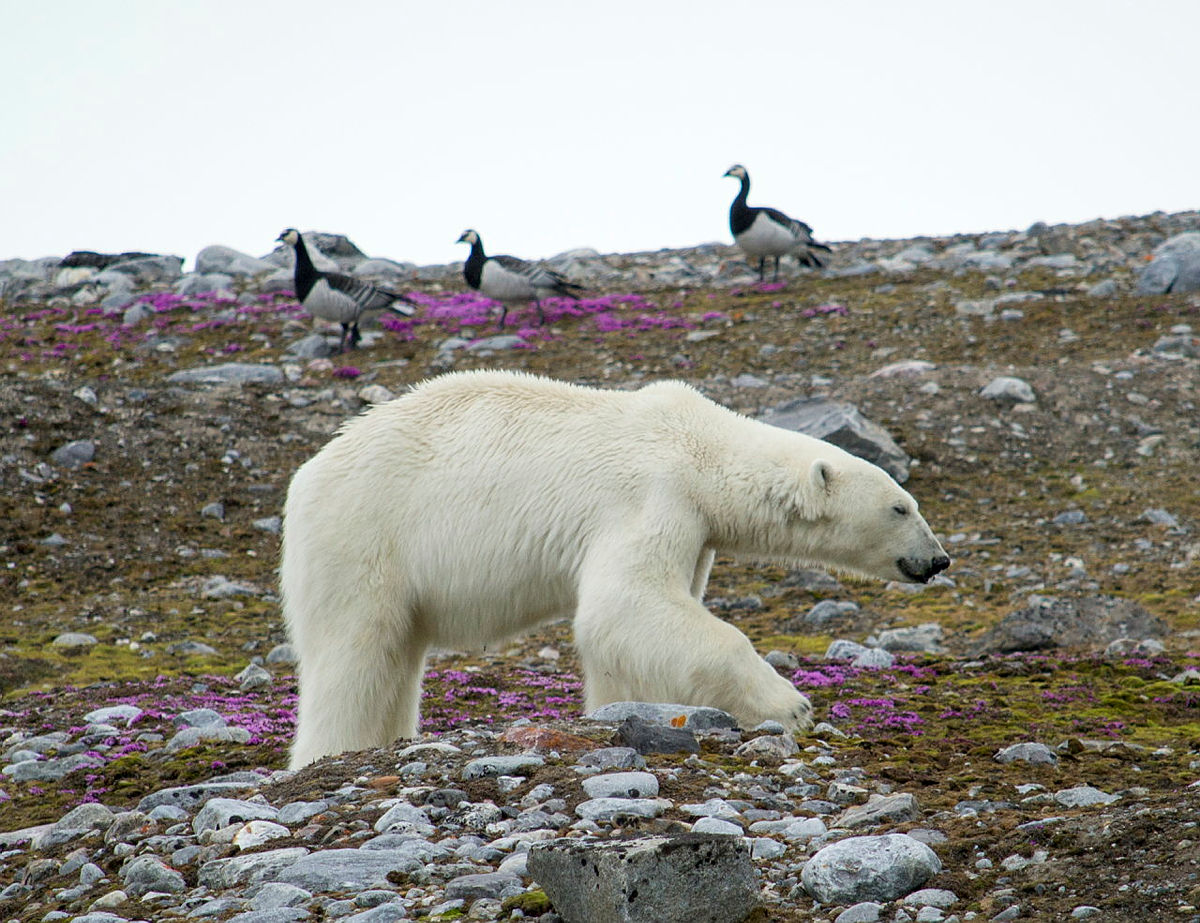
point(1049, 622)
point(230, 262)
point(1174, 268)
point(388, 270)
point(842, 425)
point(869, 868)
point(329, 252)
point(691, 878)
point(150, 269)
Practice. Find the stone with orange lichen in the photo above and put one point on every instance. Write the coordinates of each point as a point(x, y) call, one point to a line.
point(543, 740)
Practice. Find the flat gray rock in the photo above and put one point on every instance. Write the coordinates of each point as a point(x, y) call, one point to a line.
point(402, 815)
point(88, 816)
point(842, 424)
point(313, 346)
point(491, 766)
point(238, 373)
point(611, 810)
point(692, 878)
point(926, 637)
point(150, 268)
point(226, 260)
point(192, 737)
point(196, 283)
point(384, 913)
point(111, 714)
point(345, 869)
point(622, 785)
point(869, 868)
point(880, 809)
point(1084, 796)
point(612, 758)
point(220, 874)
point(50, 770)
point(149, 873)
point(1037, 754)
point(697, 717)
point(189, 797)
point(875, 658)
point(221, 812)
point(1175, 267)
point(843, 649)
point(74, 639)
point(645, 737)
point(273, 915)
point(282, 654)
point(496, 885)
point(74, 454)
point(502, 341)
point(1008, 389)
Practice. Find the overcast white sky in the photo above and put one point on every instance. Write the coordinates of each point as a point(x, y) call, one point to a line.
point(167, 126)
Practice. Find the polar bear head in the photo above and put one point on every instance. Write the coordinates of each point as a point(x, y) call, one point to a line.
point(865, 523)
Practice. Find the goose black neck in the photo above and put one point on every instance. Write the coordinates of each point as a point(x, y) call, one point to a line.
point(306, 272)
point(473, 267)
point(740, 215)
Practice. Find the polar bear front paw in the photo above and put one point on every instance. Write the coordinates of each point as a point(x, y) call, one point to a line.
point(782, 702)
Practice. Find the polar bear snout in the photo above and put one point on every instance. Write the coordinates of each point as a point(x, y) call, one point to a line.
point(920, 570)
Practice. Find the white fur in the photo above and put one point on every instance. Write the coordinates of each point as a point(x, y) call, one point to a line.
point(483, 503)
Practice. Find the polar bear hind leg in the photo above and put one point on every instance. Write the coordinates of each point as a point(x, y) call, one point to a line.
point(357, 695)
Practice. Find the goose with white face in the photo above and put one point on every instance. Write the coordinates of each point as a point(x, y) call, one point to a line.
point(763, 232)
point(508, 279)
point(336, 297)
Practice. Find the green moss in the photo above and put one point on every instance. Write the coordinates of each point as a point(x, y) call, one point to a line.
point(805, 645)
point(530, 903)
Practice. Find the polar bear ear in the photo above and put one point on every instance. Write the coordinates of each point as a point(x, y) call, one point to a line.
point(821, 474)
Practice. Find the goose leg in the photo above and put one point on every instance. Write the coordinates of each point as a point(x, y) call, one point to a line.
point(762, 268)
point(355, 335)
point(503, 315)
point(541, 314)
point(776, 276)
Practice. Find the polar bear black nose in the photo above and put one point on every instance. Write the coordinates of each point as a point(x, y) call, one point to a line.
point(919, 570)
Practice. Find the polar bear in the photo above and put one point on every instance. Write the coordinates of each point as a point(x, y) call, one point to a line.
point(483, 503)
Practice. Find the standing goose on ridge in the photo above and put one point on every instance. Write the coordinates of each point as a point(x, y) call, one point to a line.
point(764, 232)
point(506, 278)
point(337, 297)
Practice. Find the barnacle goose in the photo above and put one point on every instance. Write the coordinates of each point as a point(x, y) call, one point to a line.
point(764, 232)
point(337, 297)
point(506, 278)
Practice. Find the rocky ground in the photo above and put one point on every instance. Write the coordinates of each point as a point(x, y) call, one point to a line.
point(1043, 384)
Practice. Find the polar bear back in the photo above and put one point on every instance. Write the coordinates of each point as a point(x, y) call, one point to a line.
point(483, 493)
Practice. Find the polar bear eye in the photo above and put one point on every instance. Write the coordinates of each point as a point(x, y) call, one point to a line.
point(900, 510)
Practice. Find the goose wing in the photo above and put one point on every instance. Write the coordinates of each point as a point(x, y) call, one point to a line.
point(368, 297)
point(801, 231)
point(539, 276)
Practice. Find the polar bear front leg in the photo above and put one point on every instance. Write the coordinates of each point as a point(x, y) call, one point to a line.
point(645, 641)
